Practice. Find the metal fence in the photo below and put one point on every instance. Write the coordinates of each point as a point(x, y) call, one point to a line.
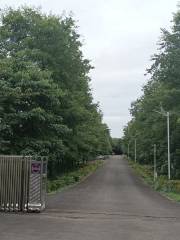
point(22, 183)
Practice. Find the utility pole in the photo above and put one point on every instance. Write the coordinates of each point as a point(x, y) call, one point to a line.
point(166, 114)
point(128, 150)
point(155, 165)
point(135, 150)
point(168, 139)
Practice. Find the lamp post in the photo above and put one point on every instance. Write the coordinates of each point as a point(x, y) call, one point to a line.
point(128, 149)
point(135, 150)
point(166, 114)
point(169, 157)
point(155, 167)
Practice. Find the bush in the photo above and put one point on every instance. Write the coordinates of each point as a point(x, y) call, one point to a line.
point(73, 177)
point(171, 188)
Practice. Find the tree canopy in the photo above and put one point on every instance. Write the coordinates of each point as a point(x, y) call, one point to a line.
point(117, 146)
point(46, 104)
point(162, 92)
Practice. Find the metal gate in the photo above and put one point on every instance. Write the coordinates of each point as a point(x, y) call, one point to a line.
point(22, 183)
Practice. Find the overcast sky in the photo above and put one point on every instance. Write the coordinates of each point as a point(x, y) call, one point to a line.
point(119, 37)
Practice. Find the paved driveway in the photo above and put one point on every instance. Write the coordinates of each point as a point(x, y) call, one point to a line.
point(112, 204)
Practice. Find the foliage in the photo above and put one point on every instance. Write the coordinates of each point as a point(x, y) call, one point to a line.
point(46, 106)
point(161, 92)
point(73, 177)
point(168, 188)
point(117, 146)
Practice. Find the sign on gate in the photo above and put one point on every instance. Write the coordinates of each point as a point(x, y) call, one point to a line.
point(35, 168)
point(22, 183)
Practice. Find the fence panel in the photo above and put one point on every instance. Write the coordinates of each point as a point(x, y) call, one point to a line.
point(22, 183)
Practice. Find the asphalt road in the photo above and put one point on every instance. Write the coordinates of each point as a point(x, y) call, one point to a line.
point(111, 204)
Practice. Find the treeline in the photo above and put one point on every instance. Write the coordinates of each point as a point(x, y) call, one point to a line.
point(160, 94)
point(46, 105)
point(117, 146)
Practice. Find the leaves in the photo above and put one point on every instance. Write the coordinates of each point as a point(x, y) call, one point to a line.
point(162, 91)
point(46, 106)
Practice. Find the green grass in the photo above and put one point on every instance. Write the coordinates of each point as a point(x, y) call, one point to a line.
point(170, 189)
point(173, 196)
point(73, 177)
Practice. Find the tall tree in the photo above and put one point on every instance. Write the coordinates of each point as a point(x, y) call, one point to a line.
point(46, 102)
point(162, 91)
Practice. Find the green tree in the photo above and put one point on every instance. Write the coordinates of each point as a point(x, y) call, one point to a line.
point(46, 102)
point(117, 146)
point(162, 90)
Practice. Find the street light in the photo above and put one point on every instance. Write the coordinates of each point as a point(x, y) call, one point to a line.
point(128, 149)
point(135, 150)
point(128, 142)
point(135, 147)
point(155, 165)
point(166, 114)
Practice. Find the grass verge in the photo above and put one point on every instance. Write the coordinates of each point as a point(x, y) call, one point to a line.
point(73, 177)
point(170, 189)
